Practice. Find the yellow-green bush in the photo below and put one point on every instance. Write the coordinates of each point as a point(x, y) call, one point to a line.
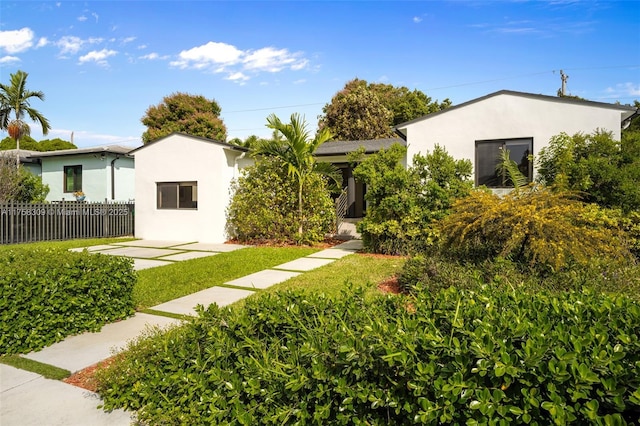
point(534, 226)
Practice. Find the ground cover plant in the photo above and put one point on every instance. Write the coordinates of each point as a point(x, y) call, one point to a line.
point(158, 285)
point(48, 294)
point(454, 356)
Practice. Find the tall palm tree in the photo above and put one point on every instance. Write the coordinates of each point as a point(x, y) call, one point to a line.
point(15, 98)
point(296, 150)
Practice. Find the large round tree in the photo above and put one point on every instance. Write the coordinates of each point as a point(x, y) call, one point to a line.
point(15, 104)
point(182, 112)
point(362, 111)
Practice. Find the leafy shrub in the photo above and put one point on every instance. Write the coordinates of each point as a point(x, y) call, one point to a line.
point(433, 273)
point(265, 205)
point(403, 203)
point(46, 295)
point(421, 273)
point(543, 229)
point(604, 171)
point(444, 357)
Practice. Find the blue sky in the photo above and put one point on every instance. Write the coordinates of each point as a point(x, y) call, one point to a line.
point(101, 64)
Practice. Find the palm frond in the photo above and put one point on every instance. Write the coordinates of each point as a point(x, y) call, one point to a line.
point(509, 168)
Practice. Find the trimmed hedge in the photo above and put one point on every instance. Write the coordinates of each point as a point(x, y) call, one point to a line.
point(448, 357)
point(48, 294)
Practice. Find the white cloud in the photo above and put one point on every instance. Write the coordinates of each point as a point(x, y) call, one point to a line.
point(237, 76)
point(128, 40)
point(85, 139)
point(207, 55)
point(273, 60)
point(97, 56)
point(42, 42)
point(72, 44)
point(69, 44)
point(82, 18)
point(142, 46)
point(222, 57)
point(95, 15)
point(9, 59)
point(623, 90)
point(15, 41)
point(417, 19)
point(301, 81)
point(153, 56)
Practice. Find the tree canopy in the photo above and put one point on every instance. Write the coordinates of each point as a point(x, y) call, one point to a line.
point(30, 144)
point(362, 110)
point(182, 112)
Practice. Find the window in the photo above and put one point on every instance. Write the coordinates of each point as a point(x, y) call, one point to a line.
point(177, 195)
point(72, 178)
point(488, 157)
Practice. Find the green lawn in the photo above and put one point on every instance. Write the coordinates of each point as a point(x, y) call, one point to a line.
point(158, 285)
point(359, 270)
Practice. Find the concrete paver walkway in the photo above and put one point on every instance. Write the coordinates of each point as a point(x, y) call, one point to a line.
point(29, 399)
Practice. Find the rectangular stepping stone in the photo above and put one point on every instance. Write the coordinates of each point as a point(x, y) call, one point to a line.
point(94, 248)
point(40, 401)
point(331, 253)
point(223, 296)
point(140, 264)
point(141, 252)
point(350, 245)
point(188, 255)
point(263, 279)
point(304, 264)
point(151, 243)
point(221, 248)
point(78, 352)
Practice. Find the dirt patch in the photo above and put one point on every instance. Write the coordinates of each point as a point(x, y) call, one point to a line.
point(390, 285)
point(382, 256)
point(85, 379)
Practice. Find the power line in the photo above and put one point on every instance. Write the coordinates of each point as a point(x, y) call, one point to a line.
point(472, 83)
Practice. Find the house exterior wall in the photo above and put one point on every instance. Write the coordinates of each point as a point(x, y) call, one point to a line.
point(506, 117)
point(179, 158)
point(96, 177)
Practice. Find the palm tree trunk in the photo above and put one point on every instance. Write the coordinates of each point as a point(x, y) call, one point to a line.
point(300, 209)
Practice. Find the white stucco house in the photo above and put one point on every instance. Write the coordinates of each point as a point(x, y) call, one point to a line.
point(102, 173)
point(523, 123)
point(182, 187)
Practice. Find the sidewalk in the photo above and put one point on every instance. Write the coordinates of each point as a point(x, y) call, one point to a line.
point(29, 399)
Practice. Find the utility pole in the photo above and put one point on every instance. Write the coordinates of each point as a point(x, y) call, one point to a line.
point(564, 77)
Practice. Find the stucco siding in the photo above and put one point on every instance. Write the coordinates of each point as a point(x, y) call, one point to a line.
point(505, 117)
point(183, 159)
point(96, 177)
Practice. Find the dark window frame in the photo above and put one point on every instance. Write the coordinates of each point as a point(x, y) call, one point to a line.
point(503, 144)
point(177, 195)
point(77, 179)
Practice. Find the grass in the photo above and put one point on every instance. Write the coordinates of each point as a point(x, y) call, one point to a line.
point(358, 270)
point(67, 244)
point(45, 370)
point(158, 285)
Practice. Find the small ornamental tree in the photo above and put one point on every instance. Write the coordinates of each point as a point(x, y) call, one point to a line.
point(264, 206)
point(402, 203)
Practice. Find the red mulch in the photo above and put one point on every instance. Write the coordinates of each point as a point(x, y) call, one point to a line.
point(390, 285)
point(85, 379)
